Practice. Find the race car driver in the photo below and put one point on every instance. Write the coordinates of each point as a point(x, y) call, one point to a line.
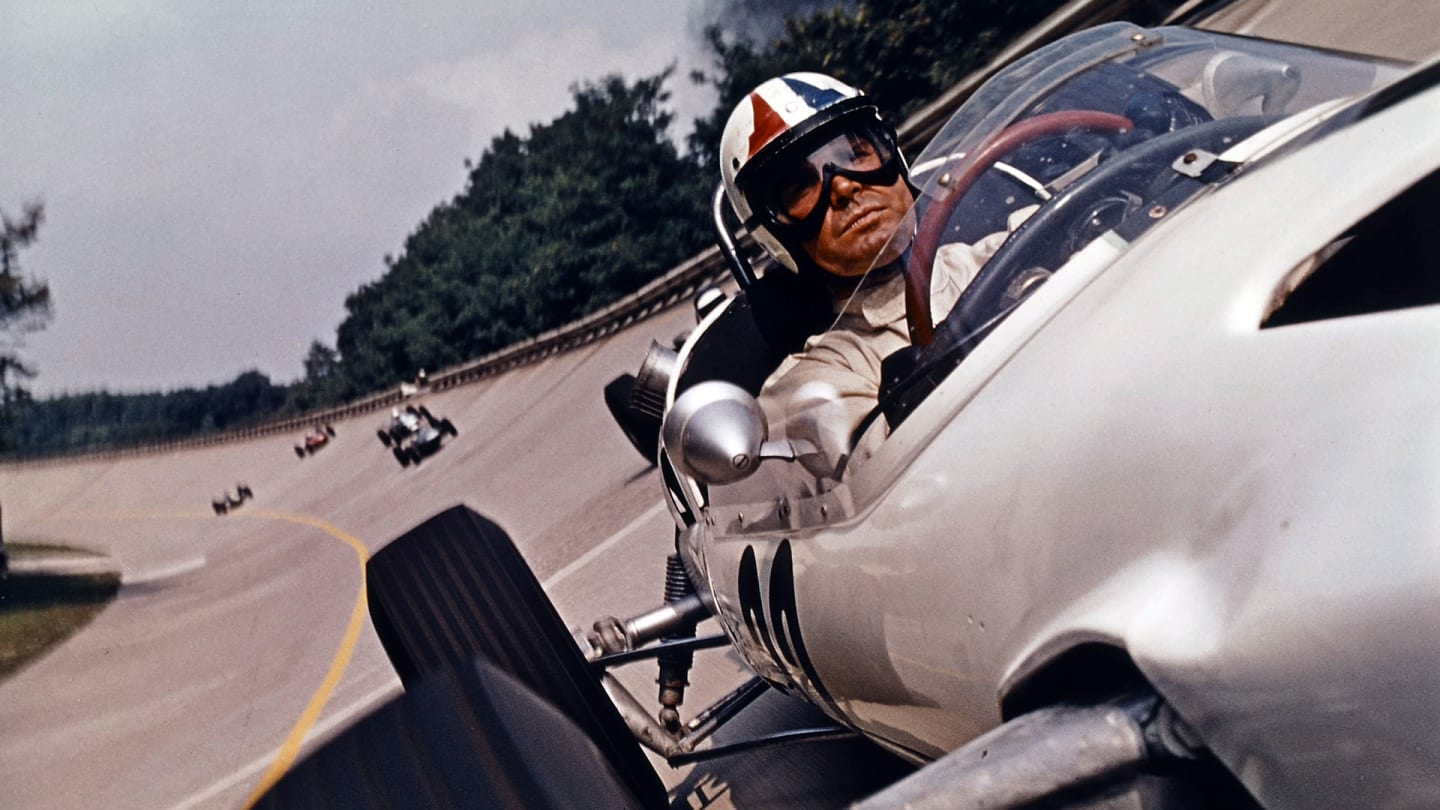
point(814, 173)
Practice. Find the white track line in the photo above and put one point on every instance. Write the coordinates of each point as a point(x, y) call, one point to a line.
point(164, 572)
point(589, 556)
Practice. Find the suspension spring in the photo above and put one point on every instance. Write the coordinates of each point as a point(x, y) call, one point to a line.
point(675, 666)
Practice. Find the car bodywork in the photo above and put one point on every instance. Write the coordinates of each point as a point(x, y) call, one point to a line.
point(1155, 504)
point(413, 433)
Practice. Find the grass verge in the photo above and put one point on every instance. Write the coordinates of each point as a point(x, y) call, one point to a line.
point(38, 611)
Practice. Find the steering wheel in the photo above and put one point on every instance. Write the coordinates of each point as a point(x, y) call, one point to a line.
point(967, 169)
point(1040, 241)
point(1046, 239)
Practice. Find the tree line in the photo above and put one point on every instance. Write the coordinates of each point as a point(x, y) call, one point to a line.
point(549, 225)
point(98, 420)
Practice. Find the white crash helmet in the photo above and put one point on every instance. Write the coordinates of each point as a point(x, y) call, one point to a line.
point(778, 119)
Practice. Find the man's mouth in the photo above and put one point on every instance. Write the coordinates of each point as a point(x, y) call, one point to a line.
point(862, 217)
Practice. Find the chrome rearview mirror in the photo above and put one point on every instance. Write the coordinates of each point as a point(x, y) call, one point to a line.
point(716, 432)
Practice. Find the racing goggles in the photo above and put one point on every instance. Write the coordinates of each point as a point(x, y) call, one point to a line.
point(795, 194)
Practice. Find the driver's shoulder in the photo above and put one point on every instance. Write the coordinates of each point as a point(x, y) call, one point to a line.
point(837, 357)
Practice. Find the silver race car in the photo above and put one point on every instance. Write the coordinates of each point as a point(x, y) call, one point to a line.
point(1150, 518)
point(412, 433)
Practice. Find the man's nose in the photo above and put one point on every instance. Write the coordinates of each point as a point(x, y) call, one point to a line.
point(842, 189)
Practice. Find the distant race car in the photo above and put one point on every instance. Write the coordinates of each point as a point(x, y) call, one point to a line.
point(414, 433)
point(226, 501)
point(314, 440)
point(419, 387)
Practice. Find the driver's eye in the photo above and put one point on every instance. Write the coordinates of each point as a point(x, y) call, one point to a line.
point(863, 155)
point(799, 191)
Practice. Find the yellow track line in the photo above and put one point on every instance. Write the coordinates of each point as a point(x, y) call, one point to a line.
point(291, 749)
point(293, 742)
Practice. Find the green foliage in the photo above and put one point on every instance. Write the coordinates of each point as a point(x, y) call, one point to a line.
point(584, 210)
point(322, 383)
point(101, 420)
point(902, 53)
point(24, 307)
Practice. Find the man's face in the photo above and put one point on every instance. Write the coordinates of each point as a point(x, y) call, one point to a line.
point(860, 217)
point(857, 231)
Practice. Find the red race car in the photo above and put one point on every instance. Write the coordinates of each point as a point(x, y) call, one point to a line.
point(314, 440)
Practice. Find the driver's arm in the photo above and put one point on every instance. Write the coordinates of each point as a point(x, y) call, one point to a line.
point(822, 396)
point(957, 263)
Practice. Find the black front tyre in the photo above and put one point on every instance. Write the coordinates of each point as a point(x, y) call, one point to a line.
point(454, 590)
point(446, 426)
point(401, 456)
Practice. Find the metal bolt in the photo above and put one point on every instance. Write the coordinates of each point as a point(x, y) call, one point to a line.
point(1158, 211)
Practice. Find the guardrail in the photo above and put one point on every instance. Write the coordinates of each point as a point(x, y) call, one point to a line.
point(678, 284)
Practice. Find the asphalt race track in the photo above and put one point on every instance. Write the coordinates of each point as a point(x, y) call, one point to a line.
point(236, 644)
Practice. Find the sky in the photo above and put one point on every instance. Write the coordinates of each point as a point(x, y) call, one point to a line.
point(218, 176)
